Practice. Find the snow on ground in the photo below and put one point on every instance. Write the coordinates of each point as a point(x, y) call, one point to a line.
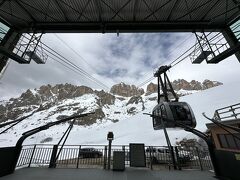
point(129, 129)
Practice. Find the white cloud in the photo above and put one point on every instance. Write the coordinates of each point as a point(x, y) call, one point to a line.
point(130, 58)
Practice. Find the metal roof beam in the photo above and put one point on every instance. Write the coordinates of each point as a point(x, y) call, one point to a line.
point(121, 9)
point(40, 11)
point(229, 10)
point(25, 10)
point(173, 8)
point(99, 9)
point(96, 27)
point(193, 10)
point(190, 15)
point(153, 12)
point(136, 3)
point(233, 18)
point(17, 17)
point(112, 9)
point(1, 3)
point(85, 7)
point(209, 10)
point(237, 3)
point(119, 16)
point(61, 9)
point(236, 15)
point(75, 10)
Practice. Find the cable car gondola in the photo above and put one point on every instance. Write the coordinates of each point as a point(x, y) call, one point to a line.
point(172, 114)
point(169, 113)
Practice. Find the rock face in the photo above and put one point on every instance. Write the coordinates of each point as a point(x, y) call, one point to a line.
point(185, 85)
point(91, 119)
point(68, 99)
point(135, 100)
point(209, 84)
point(62, 91)
point(105, 98)
point(194, 85)
point(151, 88)
point(126, 90)
point(48, 96)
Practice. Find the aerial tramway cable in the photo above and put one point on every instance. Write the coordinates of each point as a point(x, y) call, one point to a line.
point(183, 57)
point(71, 64)
point(75, 52)
point(173, 49)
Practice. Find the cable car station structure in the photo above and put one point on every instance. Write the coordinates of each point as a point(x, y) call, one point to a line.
point(127, 16)
point(215, 23)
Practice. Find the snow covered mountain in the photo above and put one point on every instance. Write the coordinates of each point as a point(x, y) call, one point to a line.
point(121, 114)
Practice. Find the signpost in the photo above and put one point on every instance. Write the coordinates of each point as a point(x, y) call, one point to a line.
point(110, 137)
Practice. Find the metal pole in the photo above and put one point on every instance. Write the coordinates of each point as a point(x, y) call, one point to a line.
point(169, 145)
point(150, 154)
point(52, 163)
point(159, 97)
point(208, 43)
point(199, 42)
point(30, 41)
point(32, 155)
point(79, 151)
point(109, 153)
point(105, 158)
point(199, 159)
point(177, 156)
point(67, 134)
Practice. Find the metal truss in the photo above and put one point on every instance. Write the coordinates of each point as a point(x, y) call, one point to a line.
point(30, 48)
point(208, 47)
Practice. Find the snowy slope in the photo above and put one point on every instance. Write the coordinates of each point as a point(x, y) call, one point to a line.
point(134, 128)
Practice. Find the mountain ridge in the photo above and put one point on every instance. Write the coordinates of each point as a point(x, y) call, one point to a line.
point(53, 96)
point(135, 128)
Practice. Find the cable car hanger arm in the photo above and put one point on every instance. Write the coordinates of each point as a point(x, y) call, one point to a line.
point(164, 84)
point(185, 127)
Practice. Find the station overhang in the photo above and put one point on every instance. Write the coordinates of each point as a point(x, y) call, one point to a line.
point(102, 16)
point(123, 27)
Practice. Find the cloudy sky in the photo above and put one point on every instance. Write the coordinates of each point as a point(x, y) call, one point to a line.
point(129, 58)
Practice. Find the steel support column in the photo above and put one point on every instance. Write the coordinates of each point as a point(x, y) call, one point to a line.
point(232, 40)
point(9, 42)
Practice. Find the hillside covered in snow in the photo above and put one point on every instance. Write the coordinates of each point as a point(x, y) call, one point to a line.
point(120, 113)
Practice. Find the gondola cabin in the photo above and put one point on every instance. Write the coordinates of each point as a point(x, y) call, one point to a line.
point(173, 114)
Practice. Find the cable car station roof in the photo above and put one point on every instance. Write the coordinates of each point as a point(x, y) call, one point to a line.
point(118, 15)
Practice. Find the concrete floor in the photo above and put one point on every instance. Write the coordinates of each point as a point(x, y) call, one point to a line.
point(100, 174)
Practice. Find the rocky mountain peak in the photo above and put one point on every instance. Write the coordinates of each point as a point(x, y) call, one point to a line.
point(125, 90)
point(209, 84)
point(185, 85)
point(63, 99)
point(49, 95)
point(151, 88)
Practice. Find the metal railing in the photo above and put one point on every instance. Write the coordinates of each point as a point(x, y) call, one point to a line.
point(35, 155)
point(95, 156)
point(82, 156)
point(228, 112)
